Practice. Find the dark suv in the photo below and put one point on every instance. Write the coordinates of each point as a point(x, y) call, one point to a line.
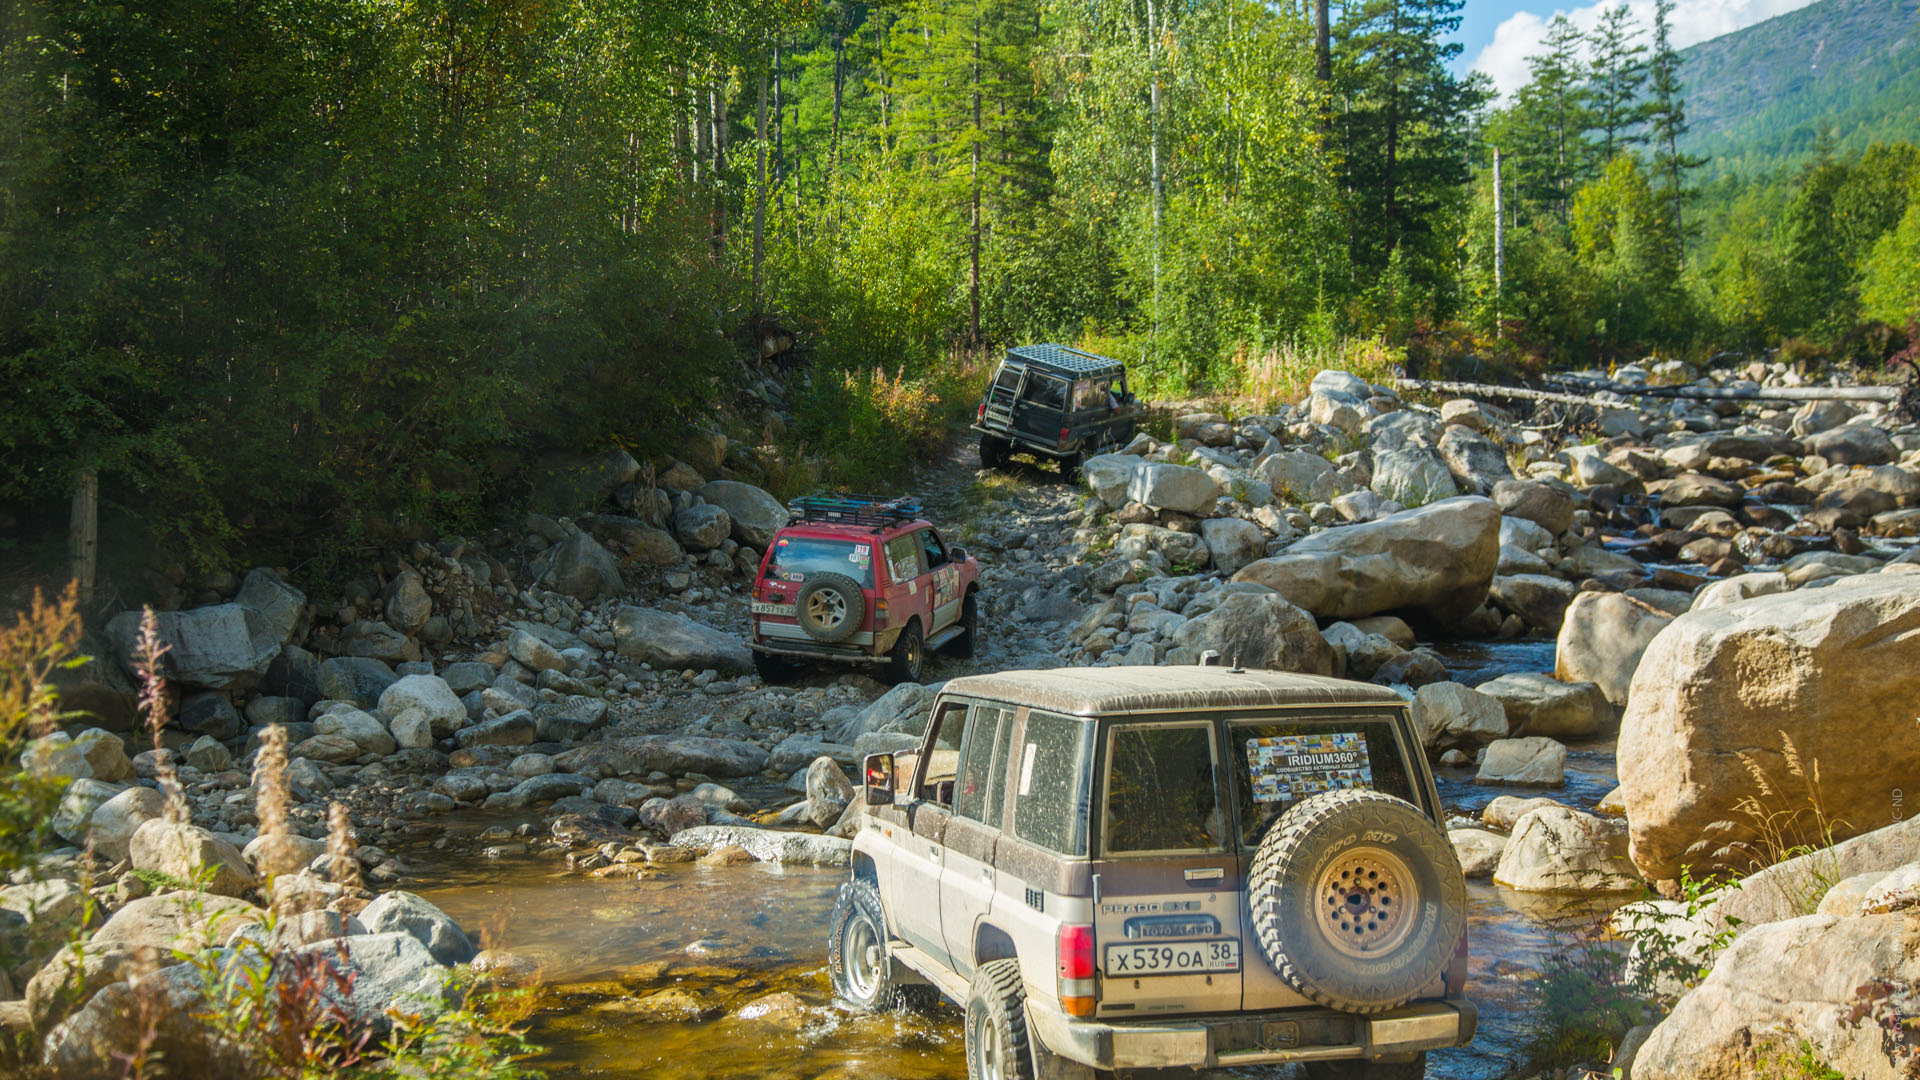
point(1056, 402)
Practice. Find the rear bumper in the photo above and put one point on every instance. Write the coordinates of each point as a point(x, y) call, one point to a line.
point(1025, 443)
point(1257, 1038)
point(787, 639)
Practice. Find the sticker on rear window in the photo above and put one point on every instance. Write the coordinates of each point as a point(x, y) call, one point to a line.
point(1288, 768)
point(1026, 769)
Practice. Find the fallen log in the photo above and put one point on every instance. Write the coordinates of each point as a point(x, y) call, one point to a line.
point(1721, 393)
point(1519, 393)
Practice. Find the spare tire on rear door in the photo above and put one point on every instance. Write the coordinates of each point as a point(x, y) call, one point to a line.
point(1357, 900)
point(830, 607)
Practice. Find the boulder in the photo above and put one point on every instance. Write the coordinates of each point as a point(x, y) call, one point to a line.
point(674, 642)
point(1543, 504)
point(1505, 811)
point(210, 713)
point(209, 755)
point(1180, 488)
point(106, 755)
point(1301, 477)
point(1696, 489)
point(1476, 462)
point(1824, 675)
point(217, 647)
point(1232, 543)
point(1542, 705)
point(1559, 849)
point(1533, 760)
point(535, 654)
point(332, 749)
point(579, 567)
point(828, 792)
point(1411, 477)
point(431, 697)
point(1450, 714)
point(190, 854)
point(572, 485)
point(756, 515)
point(55, 756)
point(1260, 630)
point(1854, 444)
point(1438, 559)
point(676, 755)
point(358, 679)
point(1778, 986)
point(363, 729)
point(517, 728)
point(799, 849)
point(376, 640)
point(1602, 639)
point(1540, 600)
point(902, 709)
point(74, 814)
point(1740, 587)
point(1478, 850)
point(1109, 476)
point(405, 913)
point(701, 527)
point(116, 820)
point(408, 606)
point(273, 854)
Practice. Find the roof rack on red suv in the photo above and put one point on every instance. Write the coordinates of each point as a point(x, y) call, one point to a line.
point(840, 508)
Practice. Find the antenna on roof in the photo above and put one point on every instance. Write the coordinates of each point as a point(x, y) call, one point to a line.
point(1236, 669)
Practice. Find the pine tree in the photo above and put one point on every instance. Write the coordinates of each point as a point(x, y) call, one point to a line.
point(1549, 120)
point(1617, 71)
point(1667, 121)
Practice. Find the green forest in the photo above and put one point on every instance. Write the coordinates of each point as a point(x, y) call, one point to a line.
point(295, 276)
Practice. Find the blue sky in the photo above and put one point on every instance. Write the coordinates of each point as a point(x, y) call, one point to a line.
point(1498, 35)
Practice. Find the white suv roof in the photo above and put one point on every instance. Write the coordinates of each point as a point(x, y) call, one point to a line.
point(1119, 690)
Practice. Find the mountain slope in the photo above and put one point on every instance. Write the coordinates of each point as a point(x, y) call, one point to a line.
point(1757, 97)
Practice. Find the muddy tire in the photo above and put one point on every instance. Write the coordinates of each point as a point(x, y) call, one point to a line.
point(963, 645)
point(1357, 900)
point(993, 452)
point(859, 959)
point(1368, 1070)
point(830, 607)
point(908, 660)
point(998, 1046)
point(1070, 469)
point(772, 669)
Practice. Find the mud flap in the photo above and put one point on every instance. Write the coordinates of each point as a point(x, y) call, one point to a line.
point(1048, 1065)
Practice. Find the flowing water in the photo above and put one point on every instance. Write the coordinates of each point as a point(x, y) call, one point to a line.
point(714, 973)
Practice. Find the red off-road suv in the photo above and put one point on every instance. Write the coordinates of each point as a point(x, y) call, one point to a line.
point(862, 579)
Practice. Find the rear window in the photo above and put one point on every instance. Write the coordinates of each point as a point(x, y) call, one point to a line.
point(1047, 392)
point(1276, 765)
point(797, 557)
point(1161, 795)
point(1008, 378)
point(1051, 783)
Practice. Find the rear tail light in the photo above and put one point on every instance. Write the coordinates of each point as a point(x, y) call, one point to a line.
point(980, 414)
point(880, 612)
point(1076, 970)
point(1065, 436)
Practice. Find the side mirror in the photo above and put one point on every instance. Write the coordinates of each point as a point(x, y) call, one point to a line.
point(957, 554)
point(878, 770)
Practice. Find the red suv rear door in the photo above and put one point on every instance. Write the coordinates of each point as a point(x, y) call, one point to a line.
point(908, 593)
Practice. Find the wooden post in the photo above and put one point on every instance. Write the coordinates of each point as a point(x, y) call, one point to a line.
point(1499, 242)
point(83, 532)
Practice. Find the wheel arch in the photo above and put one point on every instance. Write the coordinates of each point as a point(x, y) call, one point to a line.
point(992, 943)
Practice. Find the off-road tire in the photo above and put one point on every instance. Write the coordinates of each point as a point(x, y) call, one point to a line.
point(1357, 853)
point(824, 594)
point(867, 981)
point(773, 669)
point(1070, 468)
point(993, 452)
point(1369, 1070)
point(908, 660)
point(996, 1031)
point(963, 645)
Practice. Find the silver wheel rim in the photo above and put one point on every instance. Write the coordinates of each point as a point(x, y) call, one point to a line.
point(983, 1041)
point(913, 654)
point(826, 608)
point(1365, 902)
point(860, 948)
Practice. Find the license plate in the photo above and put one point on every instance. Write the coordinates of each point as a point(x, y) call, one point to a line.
point(1184, 958)
point(773, 609)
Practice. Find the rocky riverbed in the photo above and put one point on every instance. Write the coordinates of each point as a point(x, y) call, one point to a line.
point(1720, 592)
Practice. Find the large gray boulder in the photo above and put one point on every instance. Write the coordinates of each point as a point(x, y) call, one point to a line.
point(1411, 477)
point(1260, 630)
point(1450, 714)
point(1602, 639)
point(1559, 849)
point(219, 646)
point(1109, 476)
point(115, 821)
point(1477, 463)
point(1232, 542)
point(1438, 559)
point(1822, 677)
point(671, 641)
point(1783, 984)
point(675, 755)
point(405, 913)
point(901, 709)
point(1180, 488)
point(74, 815)
point(1530, 500)
point(1534, 760)
point(358, 679)
point(190, 853)
point(756, 515)
point(579, 567)
point(1301, 476)
point(429, 694)
point(702, 527)
point(766, 845)
point(1854, 444)
point(1539, 704)
point(364, 729)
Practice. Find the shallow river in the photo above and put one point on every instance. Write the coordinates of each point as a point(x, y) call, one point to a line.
point(727, 936)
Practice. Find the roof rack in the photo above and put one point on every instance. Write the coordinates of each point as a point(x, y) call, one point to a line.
point(1065, 358)
point(841, 508)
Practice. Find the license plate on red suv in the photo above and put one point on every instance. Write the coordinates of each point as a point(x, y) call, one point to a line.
point(1128, 960)
point(772, 609)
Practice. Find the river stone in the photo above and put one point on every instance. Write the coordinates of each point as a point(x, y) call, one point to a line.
point(797, 750)
point(209, 755)
point(1477, 849)
point(188, 852)
point(1232, 543)
point(176, 920)
point(1505, 811)
point(1476, 462)
point(1695, 489)
point(1778, 985)
point(403, 912)
point(210, 713)
point(1531, 500)
point(1180, 488)
point(1602, 639)
point(828, 792)
point(106, 755)
point(1826, 670)
point(1450, 714)
point(517, 728)
point(71, 978)
point(1540, 600)
point(154, 1014)
point(1542, 705)
point(1438, 559)
point(375, 640)
point(579, 567)
point(1336, 411)
point(408, 606)
point(274, 854)
point(701, 527)
point(432, 696)
point(1300, 477)
point(535, 654)
point(1897, 890)
point(77, 805)
point(676, 755)
point(332, 749)
point(1740, 587)
point(1533, 760)
point(905, 708)
point(1559, 849)
point(756, 515)
point(1259, 630)
point(671, 817)
point(671, 641)
point(54, 756)
point(803, 849)
point(115, 821)
point(362, 729)
point(358, 679)
point(1411, 477)
point(1854, 444)
point(1108, 476)
point(217, 647)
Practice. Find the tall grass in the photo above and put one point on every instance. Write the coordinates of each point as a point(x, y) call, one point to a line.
point(1789, 825)
point(862, 428)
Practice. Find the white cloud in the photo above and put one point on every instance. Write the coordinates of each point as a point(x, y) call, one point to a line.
point(1504, 59)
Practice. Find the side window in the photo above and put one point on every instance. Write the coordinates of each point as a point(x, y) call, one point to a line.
point(1161, 794)
point(1090, 394)
point(1051, 779)
point(936, 552)
point(943, 755)
point(1047, 392)
point(903, 559)
point(983, 762)
point(1277, 764)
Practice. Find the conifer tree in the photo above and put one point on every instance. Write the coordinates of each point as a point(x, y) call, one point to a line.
point(1666, 114)
point(1617, 71)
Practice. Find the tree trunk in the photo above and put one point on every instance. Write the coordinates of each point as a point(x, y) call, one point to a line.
point(83, 533)
point(716, 94)
point(1153, 154)
point(973, 241)
point(1322, 42)
point(760, 193)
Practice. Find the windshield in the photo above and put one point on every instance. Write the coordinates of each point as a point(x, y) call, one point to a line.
point(795, 557)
